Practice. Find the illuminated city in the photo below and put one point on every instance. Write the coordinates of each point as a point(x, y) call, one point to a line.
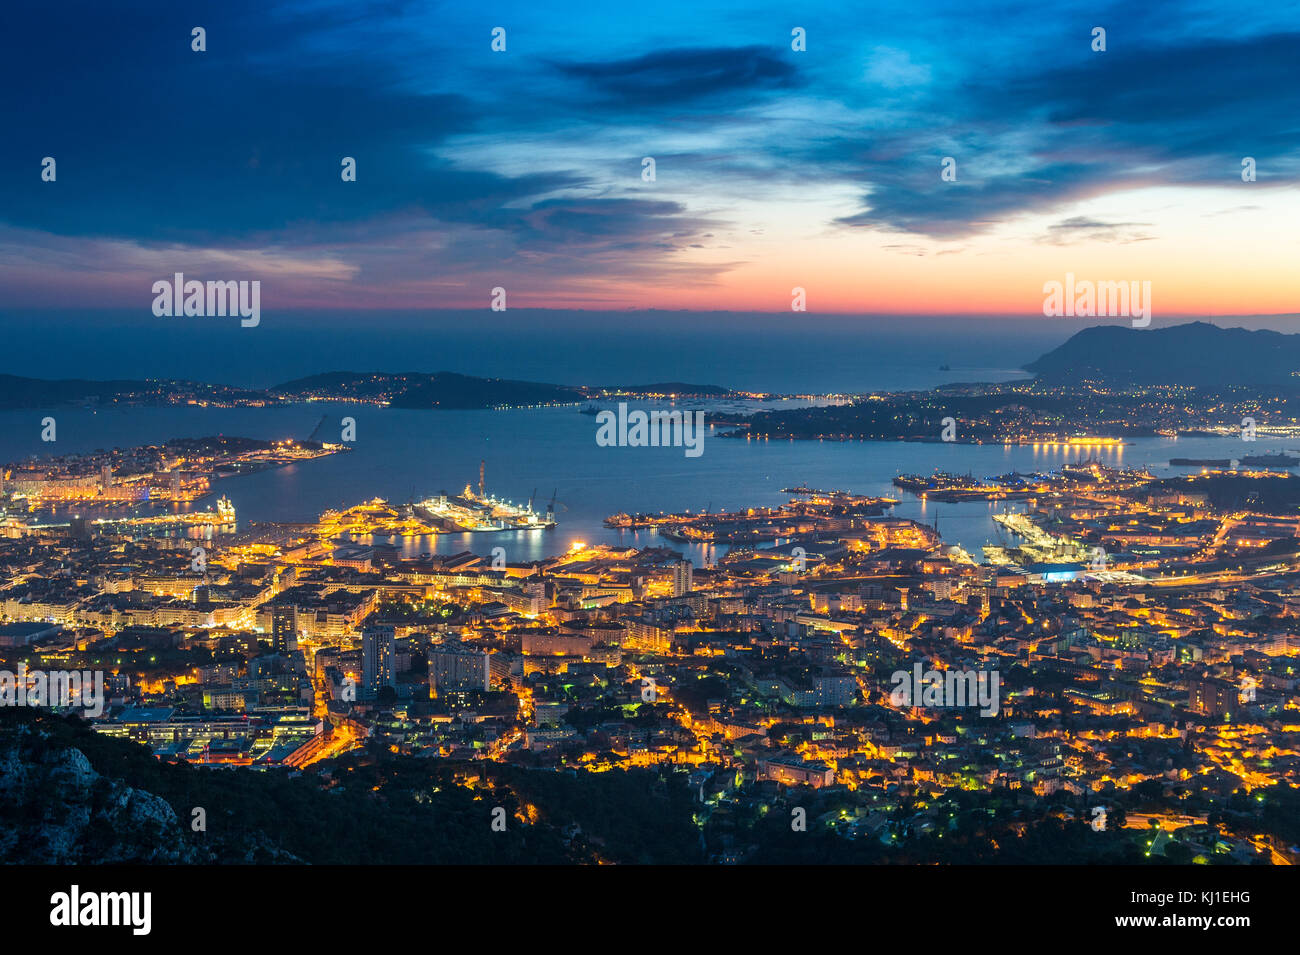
point(1142, 629)
point(770, 436)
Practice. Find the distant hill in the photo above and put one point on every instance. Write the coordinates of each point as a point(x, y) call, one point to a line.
point(451, 391)
point(445, 390)
point(448, 390)
point(1197, 354)
point(679, 388)
point(19, 392)
point(441, 389)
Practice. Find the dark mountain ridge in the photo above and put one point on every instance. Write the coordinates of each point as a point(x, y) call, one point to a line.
point(1196, 354)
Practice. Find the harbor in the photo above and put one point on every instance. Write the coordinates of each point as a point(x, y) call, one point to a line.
point(812, 511)
point(221, 518)
point(478, 512)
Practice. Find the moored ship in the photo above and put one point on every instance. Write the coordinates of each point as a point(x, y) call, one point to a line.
point(478, 512)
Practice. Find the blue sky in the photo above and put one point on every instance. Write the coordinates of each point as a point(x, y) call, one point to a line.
point(523, 169)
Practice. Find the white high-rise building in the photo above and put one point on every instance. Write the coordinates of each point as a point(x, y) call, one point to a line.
point(682, 578)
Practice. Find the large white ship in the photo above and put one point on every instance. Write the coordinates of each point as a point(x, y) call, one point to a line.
point(479, 512)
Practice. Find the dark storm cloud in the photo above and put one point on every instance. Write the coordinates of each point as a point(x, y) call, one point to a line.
point(670, 78)
point(1137, 116)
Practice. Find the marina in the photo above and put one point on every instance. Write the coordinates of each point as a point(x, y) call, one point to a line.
point(221, 517)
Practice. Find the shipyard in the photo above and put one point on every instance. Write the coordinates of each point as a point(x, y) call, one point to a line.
point(478, 512)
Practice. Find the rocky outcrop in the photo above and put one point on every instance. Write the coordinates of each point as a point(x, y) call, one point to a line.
point(56, 810)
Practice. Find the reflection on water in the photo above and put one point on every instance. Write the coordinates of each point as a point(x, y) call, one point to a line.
point(551, 453)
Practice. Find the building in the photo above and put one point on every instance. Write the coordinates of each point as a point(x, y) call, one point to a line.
point(454, 666)
point(284, 629)
point(819, 691)
point(377, 652)
point(790, 770)
point(682, 583)
point(1213, 697)
point(647, 635)
point(551, 643)
point(21, 634)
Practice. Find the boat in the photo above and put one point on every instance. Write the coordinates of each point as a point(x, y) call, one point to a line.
point(480, 512)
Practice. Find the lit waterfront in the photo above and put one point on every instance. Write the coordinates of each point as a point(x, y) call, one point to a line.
point(411, 455)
